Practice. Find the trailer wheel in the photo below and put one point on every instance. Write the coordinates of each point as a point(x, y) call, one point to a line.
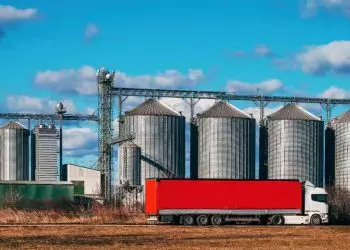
point(316, 220)
point(188, 220)
point(216, 220)
point(277, 220)
point(203, 220)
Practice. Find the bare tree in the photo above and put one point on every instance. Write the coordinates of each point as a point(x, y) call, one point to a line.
point(339, 205)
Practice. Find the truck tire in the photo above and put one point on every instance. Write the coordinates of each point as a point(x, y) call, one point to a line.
point(316, 220)
point(188, 220)
point(216, 220)
point(277, 220)
point(202, 220)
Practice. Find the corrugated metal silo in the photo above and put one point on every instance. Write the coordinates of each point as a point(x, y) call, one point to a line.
point(129, 164)
point(160, 132)
point(45, 153)
point(295, 145)
point(226, 148)
point(342, 154)
point(14, 152)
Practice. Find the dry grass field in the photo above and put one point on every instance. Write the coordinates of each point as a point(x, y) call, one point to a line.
point(173, 237)
point(98, 216)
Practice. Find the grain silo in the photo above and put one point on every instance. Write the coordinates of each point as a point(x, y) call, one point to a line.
point(342, 154)
point(45, 153)
point(14, 152)
point(160, 133)
point(295, 145)
point(129, 164)
point(226, 147)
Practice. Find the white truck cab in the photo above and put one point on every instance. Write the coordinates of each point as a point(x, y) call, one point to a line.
point(316, 204)
point(315, 207)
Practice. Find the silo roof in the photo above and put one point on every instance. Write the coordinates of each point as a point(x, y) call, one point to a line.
point(293, 112)
point(344, 118)
point(152, 107)
point(223, 109)
point(13, 125)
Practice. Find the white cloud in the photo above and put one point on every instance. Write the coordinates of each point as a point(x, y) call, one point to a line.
point(311, 6)
point(91, 111)
point(79, 141)
point(237, 54)
point(168, 79)
point(91, 30)
point(180, 105)
point(11, 14)
point(313, 108)
point(255, 111)
point(332, 57)
point(266, 87)
point(82, 81)
point(336, 93)
point(263, 50)
point(29, 104)
point(79, 138)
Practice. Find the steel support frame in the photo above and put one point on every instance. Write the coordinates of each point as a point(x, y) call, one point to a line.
point(328, 107)
point(48, 117)
point(261, 105)
point(221, 95)
point(105, 80)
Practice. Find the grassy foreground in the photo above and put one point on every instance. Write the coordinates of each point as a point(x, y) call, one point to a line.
point(174, 237)
point(97, 216)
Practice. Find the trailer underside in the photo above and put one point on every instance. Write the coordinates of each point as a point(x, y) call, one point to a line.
point(204, 217)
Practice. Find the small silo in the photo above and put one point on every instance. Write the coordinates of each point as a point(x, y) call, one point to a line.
point(129, 157)
point(160, 133)
point(45, 148)
point(14, 152)
point(342, 154)
point(226, 147)
point(295, 145)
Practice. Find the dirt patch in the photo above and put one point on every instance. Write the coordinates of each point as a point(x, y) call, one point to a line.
point(174, 237)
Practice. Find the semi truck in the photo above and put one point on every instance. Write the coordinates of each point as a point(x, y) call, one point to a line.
point(203, 202)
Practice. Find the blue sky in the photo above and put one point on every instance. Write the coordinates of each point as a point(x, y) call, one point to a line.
point(49, 51)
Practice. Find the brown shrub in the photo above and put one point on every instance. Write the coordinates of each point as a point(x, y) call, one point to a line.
point(101, 215)
point(339, 205)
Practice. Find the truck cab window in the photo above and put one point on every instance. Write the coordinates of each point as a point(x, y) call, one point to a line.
point(319, 198)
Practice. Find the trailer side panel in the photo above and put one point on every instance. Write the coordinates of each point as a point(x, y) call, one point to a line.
point(223, 196)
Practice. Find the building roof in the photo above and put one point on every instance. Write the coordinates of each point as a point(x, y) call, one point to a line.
point(223, 109)
point(344, 118)
point(152, 107)
point(38, 182)
point(13, 125)
point(293, 112)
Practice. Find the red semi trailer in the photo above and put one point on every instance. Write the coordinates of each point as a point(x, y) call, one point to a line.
point(205, 201)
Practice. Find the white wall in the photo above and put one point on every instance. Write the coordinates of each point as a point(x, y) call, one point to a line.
point(91, 178)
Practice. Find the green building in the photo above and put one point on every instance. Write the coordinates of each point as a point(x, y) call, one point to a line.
point(30, 194)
